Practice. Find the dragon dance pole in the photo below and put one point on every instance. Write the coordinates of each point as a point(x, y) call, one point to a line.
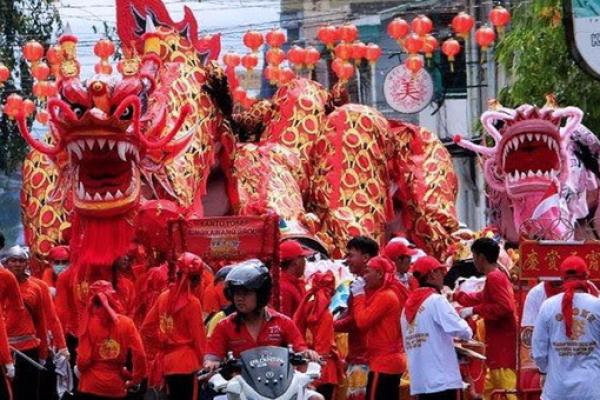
point(373, 87)
point(358, 84)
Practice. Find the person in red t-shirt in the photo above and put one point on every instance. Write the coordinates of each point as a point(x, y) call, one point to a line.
point(173, 332)
point(292, 287)
point(248, 287)
point(377, 310)
point(315, 322)
point(26, 327)
point(106, 340)
point(401, 256)
point(359, 251)
point(59, 260)
point(496, 305)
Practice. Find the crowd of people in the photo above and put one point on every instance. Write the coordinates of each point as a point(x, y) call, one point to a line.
point(158, 322)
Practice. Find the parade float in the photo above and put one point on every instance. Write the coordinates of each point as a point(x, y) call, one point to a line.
point(170, 129)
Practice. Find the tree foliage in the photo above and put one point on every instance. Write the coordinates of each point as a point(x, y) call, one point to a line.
point(538, 60)
point(20, 21)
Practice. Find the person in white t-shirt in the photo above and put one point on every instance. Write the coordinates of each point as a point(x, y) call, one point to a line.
point(429, 326)
point(566, 337)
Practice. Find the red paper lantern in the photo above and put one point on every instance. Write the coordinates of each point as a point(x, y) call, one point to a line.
point(430, 44)
point(239, 94)
point(4, 73)
point(413, 43)
point(28, 107)
point(39, 88)
point(327, 35)
point(296, 55)
point(33, 51)
point(398, 28)
point(499, 17)
point(373, 53)
point(451, 48)
point(344, 70)
point(272, 74)
point(40, 71)
point(344, 51)
point(104, 48)
point(250, 61)
point(286, 75)
point(51, 89)
point(54, 55)
point(485, 37)
point(359, 51)
point(421, 25)
point(13, 105)
point(311, 57)
point(253, 40)
point(276, 38)
point(232, 60)
point(462, 24)
point(348, 33)
point(42, 117)
point(275, 56)
point(414, 63)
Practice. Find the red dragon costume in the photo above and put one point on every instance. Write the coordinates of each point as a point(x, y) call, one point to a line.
point(163, 129)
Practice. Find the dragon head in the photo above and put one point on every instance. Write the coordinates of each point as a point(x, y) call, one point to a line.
point(106, 125)
point(529, 152)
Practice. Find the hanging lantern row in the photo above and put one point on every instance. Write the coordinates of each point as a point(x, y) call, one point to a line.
point(415, 37)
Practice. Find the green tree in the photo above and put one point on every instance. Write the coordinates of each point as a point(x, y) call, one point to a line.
point(538, 61)
point(20, 21)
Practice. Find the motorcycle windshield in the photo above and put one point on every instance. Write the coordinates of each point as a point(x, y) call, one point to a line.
point(267, 370)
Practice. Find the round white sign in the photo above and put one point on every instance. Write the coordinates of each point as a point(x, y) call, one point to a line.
point(407, 92)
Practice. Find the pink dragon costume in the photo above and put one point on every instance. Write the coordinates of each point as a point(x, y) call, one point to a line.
point(163, 130)
point(539, 177)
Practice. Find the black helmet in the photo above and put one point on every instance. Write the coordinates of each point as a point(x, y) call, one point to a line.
point(251, 275)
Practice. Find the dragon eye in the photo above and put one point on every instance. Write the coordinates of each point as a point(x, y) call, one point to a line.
point(127, 114)
point(78, 110)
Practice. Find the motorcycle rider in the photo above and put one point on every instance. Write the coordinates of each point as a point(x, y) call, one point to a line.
point(254, 324)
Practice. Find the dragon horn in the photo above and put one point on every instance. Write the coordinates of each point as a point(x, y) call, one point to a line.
point(489, 117)
point(185, 111)
point(36, 144)
point(485, 151)
point(574, 116)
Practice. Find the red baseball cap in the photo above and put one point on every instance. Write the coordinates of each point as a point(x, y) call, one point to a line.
point(291, 249)
point(59, 253)
point(396, 249)
point(425, 265)
point(573, 265)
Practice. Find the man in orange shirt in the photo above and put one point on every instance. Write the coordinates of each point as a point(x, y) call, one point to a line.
point(8, 287)
point(106, 339)
point(377, 314)
point(173, 332)
point(360, 250)
point(26, 326)
point(292, 287)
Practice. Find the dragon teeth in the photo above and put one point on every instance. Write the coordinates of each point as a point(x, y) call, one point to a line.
point(118, 195)
point(101, 143)
point(122, 149)
point(111, 144)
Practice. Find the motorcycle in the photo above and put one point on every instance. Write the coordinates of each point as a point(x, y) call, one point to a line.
point(265, 373)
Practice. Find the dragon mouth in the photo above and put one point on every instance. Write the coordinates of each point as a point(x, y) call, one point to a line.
point(531, 159)
point(107, 175)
